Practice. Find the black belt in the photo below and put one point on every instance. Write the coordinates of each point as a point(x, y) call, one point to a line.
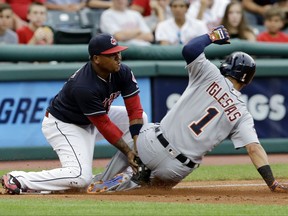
point(183, 159)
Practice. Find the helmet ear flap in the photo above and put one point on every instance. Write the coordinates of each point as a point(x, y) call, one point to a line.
point(224, 68)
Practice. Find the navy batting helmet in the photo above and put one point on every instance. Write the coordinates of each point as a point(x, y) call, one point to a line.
point(240, 66)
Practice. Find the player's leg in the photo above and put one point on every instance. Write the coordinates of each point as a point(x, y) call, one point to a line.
point(166, 170)
point(119, 162)
point(74, 146)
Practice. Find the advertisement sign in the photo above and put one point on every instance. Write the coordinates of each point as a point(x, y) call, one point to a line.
point(266, 99)
point(23, 104)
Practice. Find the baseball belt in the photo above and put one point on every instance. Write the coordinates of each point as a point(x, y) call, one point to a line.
point(182, 158)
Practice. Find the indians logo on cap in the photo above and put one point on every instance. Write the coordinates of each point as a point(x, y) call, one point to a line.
point(113, 41)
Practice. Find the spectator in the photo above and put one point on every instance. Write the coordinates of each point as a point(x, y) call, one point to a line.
point(125, 24)
point(35, 32)
point(7, 36)
point(67, 5)
point(210, 11)
point(181, 28)
point(255, 9)
point(153, 11)
point(283, 4)
point(99, 4)
point(20, 9)
point(235, 22)
point(160, 11)
point(274, 20)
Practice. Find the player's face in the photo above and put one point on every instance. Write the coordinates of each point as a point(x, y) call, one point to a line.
point(110, 62)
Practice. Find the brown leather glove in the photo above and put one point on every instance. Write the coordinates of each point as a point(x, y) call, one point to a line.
point(142, 176)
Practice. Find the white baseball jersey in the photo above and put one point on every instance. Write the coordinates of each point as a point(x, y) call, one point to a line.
point(168, 30)
point(212, 16)
point(209, 111)
point(113, 21)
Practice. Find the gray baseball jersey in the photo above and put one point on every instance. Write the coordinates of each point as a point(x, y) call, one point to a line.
point(209, 111)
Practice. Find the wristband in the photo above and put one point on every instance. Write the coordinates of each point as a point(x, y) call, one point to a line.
point(135, 129)
point(267, 175)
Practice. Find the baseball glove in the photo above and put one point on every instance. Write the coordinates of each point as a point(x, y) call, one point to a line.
point(142, 176)
point(278, 188)
point(219, 35)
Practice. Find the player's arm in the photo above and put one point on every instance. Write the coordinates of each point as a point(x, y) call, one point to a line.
point(254, 7)
point(135, 114)
point(99, 4)
point(196, 46)
point(113, 135)
point(259, 158)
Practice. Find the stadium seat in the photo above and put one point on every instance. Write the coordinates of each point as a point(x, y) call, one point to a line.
point(69, 27)
point(59, 19)
point(90, 18)
point(72, 36)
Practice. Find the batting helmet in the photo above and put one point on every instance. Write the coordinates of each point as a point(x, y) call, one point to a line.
point(240, 66)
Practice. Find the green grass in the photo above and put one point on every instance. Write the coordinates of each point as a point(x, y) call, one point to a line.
point(234, 172)
point(43, 205)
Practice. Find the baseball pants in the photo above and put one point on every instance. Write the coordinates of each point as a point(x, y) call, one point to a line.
point(74, 145)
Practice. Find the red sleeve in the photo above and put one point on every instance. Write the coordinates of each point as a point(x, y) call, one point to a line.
point(134, 108)
point(144, 4)
point(24, 35)
point(107, 128)
point(259, 37)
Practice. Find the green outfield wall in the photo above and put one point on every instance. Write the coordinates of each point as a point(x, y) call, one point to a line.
point(46, 63)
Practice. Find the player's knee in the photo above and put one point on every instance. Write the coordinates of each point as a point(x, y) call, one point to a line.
point(84, 181)
point(82, 178)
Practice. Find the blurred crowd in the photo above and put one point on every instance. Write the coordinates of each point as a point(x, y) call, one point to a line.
point(140, 22)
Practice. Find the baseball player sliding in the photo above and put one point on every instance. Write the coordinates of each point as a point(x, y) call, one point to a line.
point(209, 111)
point(81, 114)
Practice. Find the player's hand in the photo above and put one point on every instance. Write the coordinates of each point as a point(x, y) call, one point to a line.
point(131, 155)
point(219, 35)
point(278, 188)
point(142, 176)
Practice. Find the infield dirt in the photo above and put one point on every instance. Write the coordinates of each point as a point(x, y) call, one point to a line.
point(228, 192)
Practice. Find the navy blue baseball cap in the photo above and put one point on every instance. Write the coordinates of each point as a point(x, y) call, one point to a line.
point(104, 44)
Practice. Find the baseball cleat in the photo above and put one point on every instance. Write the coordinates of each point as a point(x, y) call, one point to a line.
point(10, 184)
point(106, 186)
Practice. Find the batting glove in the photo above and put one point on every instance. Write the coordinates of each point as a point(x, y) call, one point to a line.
point(219, 35)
